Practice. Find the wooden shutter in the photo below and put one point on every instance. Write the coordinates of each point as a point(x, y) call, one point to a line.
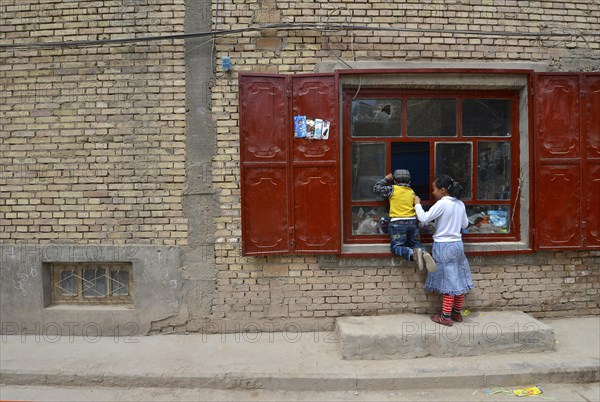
point(290, 186)
point(590, 122)
point(566, 195)
point(264, 157)
point(315, 167)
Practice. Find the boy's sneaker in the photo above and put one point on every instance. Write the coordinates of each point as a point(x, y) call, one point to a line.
point(439, 319)
point(429, 263)
point(418, 256)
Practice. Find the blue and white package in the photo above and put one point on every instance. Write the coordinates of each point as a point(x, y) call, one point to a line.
point(300, 126)
point(318, 128)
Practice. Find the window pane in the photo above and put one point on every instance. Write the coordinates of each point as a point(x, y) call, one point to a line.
point(377, 118)
point(119, 283)
point(367, 220)
point(493, 170)
point(455, 160)
point(488, 218)
point(415, 157)
point(368, 166)
point(431, 117)
point(67, 284)
point(486, 117)
point(94, 282)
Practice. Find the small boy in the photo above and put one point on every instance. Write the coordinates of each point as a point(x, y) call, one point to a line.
point(403, 226)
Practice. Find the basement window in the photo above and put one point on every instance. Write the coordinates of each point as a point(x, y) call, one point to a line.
point(92, 283)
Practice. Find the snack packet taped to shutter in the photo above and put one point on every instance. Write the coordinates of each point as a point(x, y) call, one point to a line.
point(299, 126)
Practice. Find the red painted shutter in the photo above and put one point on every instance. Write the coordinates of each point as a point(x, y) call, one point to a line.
point(567, 149)
point(558, 162)
point(289, 186)
point(315, 167)
point(590, 121)
point(264, 156)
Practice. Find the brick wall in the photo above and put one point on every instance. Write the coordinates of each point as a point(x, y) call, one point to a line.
point(93, 138)
point(283, 51)
point(93, 142)
point(545, 284)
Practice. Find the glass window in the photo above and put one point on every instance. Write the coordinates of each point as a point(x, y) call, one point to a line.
point(67, 283)
point(493, 170)
point(479, 156)
point(377, 118)
point(486, 117)
point(368, 167)
point(455, 160)
point(431, 117)
point(119, 283)
point(368, 220)
point(94, 282)
point(488, 218)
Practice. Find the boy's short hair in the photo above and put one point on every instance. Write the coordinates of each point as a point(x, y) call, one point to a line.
point(401, 176)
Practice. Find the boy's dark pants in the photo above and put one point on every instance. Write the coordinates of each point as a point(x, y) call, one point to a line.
point(404, 237)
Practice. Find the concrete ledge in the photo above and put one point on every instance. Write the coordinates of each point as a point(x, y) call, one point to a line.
point(302, 382)
point(294, 361)
point(410, 336)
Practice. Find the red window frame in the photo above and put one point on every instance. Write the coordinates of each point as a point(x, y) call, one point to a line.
point(349, 95)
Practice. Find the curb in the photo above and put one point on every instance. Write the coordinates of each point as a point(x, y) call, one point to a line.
point(291, 382)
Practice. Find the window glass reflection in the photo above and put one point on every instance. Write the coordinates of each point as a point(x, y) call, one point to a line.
point(493, 170)
point(94, 282)
point(376, 118)
point(431, 117)
point(119, 283)
point(486, 117)
point(488, 218)
point(368, 167)
point(368, 220)
point(455, 160)
point(67, 283)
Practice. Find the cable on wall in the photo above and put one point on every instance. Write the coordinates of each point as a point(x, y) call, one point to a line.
point(287, 26)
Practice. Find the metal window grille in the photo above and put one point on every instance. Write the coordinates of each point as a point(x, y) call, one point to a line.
point(92, 283)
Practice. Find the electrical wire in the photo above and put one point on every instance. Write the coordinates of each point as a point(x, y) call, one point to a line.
point(285, 26)
point(327, 38)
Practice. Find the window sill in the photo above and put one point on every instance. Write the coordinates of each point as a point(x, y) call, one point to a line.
point(91, 307)
point(491, 248)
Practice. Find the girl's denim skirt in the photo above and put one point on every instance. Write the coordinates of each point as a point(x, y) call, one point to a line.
point(453, 273)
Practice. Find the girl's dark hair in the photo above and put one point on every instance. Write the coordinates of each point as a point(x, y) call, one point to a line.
point(453, 187)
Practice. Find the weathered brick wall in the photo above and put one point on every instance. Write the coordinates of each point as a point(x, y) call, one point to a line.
point(544, 284)
point(93, 142)
point(93, 138)
point(299, 50)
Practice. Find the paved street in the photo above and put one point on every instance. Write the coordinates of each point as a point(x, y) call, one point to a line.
point(275, 367)
point(556, 392)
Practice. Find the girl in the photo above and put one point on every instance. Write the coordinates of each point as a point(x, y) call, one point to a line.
point(452, 278)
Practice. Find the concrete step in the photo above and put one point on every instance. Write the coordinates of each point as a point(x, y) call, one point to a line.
point(410, 336)
point(291, 360)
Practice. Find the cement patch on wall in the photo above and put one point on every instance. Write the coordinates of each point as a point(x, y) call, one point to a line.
point(25, 304)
